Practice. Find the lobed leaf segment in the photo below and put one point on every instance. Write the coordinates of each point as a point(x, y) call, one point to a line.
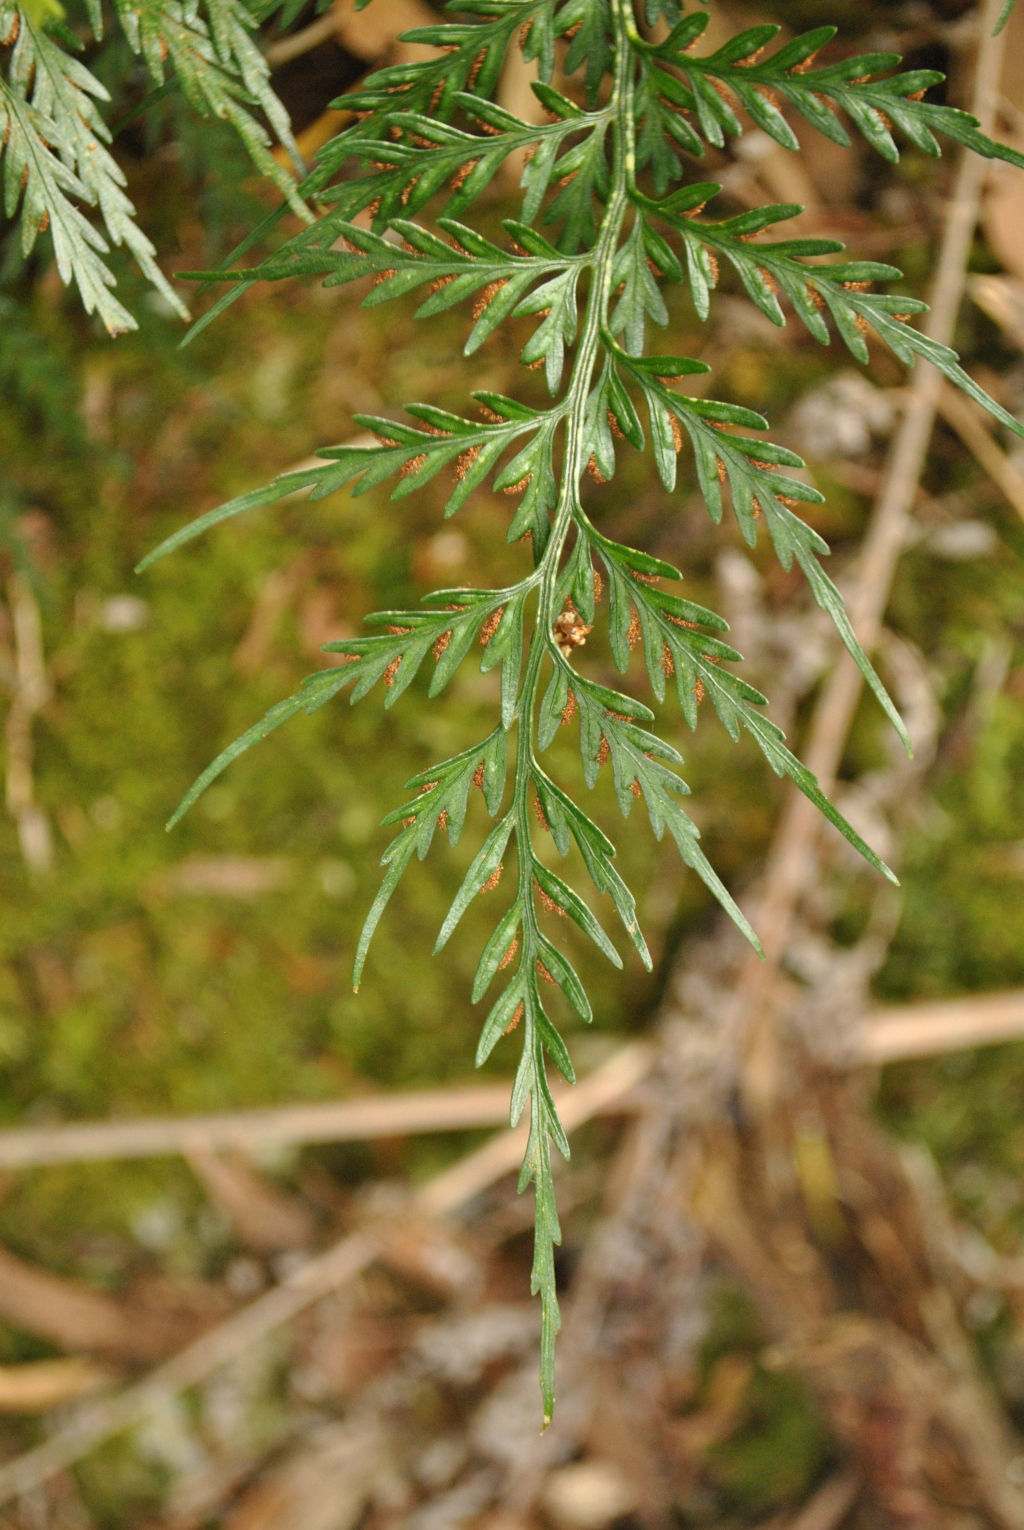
point(53, 138)
point(601, 229)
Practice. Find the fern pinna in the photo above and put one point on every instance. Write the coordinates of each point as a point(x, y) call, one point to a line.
point(609, 177)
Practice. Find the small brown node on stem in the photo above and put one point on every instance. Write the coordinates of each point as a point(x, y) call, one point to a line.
point(493, 879)
point(542, 972)
point(490, 626)
point(569, 630)
point(442, 643)
point(515, 1018)
point(389, 673)
point(569, 710)
point(509, 956)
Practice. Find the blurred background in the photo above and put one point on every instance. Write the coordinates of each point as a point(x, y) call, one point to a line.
point(144, 974)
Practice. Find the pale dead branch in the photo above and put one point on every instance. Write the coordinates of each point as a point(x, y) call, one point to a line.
point(925, 1030)
point(78, 1318)
point(31, 693)
point(886, 1035)
point(829, 1506)
point(969, 423)
point(40, 1385)
point(361, 1120)
point(262, 1217)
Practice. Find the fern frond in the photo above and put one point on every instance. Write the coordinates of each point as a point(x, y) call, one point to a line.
point(53, 138)
point(599, 234)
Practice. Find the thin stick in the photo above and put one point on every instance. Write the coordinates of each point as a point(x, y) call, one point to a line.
point(298, 43)
point(790, 863)
point(829, 1506)
point(923, 1030)
point(442, 1195)
point(889, 1034)
point(385, 1115)
point(970, 425)
point(394, 1115)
